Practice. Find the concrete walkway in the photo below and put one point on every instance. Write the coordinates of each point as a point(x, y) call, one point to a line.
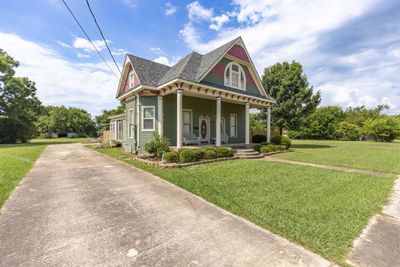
point(79, 208)
point(324, 166)
point(379, 244)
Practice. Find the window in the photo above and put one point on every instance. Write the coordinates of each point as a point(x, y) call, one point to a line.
point(234, 76)
point(131, 79)
point(233, 125)
point(187, 121)
point(120, 130)
point(148, 121)
point(131, 129)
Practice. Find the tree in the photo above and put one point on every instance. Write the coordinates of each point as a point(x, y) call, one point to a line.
point(383, 129)
point(322, 123)
point(102, 120)
point(288, 85)
point(63, 120)
point(358, 115)
point(19, 105)
point(256, 122)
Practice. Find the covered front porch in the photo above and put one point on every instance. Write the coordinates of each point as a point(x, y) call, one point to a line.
point(190, 117)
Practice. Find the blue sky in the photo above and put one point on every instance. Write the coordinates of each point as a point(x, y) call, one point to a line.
point(350, 50)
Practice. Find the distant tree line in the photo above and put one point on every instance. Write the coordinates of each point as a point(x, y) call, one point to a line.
point(22, 115)
point(297, 110)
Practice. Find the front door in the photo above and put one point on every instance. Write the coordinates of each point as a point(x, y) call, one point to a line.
point(204, 129)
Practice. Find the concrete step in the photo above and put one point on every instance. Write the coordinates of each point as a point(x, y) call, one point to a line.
point(244, 150)
point(250, 156)
point(247, 153)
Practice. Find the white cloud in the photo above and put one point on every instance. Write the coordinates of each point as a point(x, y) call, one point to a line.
point(61, 82)
point(219, 21)
point(157, 50)
point(63, 44)
point(119, 52)
point(130, 3)
point(84, 44)
point(80, 55)
point(197, 12)
point(164, 60)
point(170, 9)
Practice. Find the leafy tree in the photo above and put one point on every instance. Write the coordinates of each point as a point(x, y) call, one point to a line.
point(102, 120)
point(256, 122)
point(322, 123)
point(19, 105)
point(358, 115)
point(348, 131)
point(295, 99)
point(63, 120)
point(384, 129)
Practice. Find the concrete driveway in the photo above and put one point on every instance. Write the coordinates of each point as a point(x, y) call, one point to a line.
point(79, 208)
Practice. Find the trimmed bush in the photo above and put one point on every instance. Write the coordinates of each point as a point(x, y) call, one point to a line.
point(209, 148)
point(281, 140)
point(257, 147)
point(223, 152)
point(268, 149)
point(199, 153)
point(210, 154)
point(171, 157)
point(258, 138)
point(187, 155)
point(281, 148)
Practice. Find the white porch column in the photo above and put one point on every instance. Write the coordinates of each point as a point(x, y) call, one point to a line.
point(218, 123)
point(160, 115)
point(179, 118)
point(268, 124)
point(247, 124)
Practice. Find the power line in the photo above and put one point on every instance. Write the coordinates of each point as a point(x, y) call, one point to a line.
point(102, 35)
point(90, 40)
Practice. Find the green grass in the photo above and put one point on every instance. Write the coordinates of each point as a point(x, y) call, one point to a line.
point(17, 159)
point(323, 210)
point(382, 157)
point(59, 140)
point(15, 162)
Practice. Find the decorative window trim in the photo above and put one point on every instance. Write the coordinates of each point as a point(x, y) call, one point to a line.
point(154, 118)
point(131, 123)
point(131, 78)
point(240, 74)
point(233, 135)
point(191, 119)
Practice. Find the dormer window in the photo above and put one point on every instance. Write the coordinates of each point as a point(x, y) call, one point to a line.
point(234, 76)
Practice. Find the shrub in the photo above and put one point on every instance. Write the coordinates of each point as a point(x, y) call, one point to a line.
point(294, 134)
point(223, 152)
point(210, 154)
point(257, 147)
point(384, 129)
point(187, 155)
point(209, 148)
point(258, 138)
point(157, 145)
point(281, 148)
point(281, 140)
point(348, 131)
point(199, 153)
point(171, 157)
point(268, 149)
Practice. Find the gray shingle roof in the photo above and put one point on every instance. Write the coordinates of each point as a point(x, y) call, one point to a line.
point(190, 68)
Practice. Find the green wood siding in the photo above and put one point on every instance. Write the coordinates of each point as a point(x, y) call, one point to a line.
point(145, 136)
point(216, 77)
point(201, 107)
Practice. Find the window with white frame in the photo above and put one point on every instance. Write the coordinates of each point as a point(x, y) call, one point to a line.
point(131, 127)
point(187, 121)
point(233, 125)
point(148, 119)
point(235, 76)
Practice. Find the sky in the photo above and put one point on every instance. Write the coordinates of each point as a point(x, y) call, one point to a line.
point(350, 50)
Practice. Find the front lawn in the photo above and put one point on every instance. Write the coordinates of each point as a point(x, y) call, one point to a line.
point(61, 140)
point(383, 157)
point(323, 210)
point(15, 162)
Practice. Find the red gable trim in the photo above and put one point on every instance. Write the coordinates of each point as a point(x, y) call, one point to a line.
point(219, 70)
point(238, 52)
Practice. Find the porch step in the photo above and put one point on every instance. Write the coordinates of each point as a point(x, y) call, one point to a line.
point(248, 154)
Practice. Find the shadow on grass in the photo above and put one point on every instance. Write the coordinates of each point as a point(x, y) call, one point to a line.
point(310, 146)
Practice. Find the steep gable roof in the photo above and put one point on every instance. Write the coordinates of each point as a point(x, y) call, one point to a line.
point(192, 68)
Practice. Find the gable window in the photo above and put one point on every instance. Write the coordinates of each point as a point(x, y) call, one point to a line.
point(131, 128)
point(233, 125)
point(148, 120)
point(131, 79)
point(187, 121)
point(235, 76)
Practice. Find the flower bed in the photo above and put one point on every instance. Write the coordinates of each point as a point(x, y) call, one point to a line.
point(153, 162)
